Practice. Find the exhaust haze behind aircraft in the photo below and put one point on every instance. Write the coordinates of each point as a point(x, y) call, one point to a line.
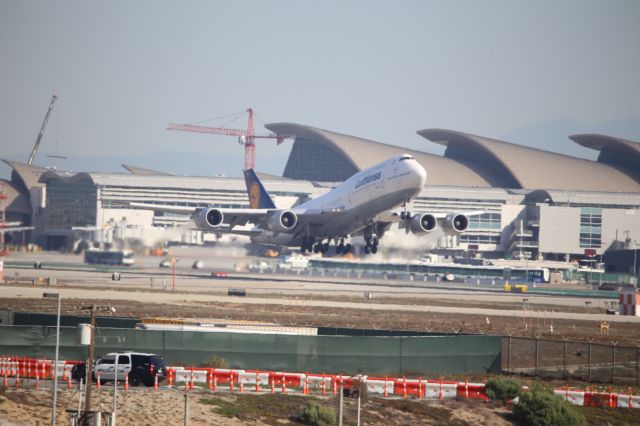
point(363, 205)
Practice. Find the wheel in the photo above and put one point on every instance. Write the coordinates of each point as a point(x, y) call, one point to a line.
point(135, 379)
point(366, 249)
point(374, 249)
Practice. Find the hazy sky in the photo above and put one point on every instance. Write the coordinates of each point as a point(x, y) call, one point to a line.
point(375, 69)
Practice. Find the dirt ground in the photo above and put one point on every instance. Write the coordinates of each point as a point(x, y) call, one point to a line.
point(146, 407)
point(625, 334)
point(166, 407)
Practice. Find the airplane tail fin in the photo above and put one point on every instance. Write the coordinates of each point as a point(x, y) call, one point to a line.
point(258, 196)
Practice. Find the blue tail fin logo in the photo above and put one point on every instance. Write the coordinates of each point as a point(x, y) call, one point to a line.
point(258, 196)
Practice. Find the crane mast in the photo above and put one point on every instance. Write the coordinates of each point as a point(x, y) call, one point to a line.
point(44, 125)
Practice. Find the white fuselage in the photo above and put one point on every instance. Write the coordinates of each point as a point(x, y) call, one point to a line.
point(356, 202)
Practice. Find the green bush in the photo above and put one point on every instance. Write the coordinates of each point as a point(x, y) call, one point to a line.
point(215, 361)
point(541, 407)
point(503, 389)
point(318, 415)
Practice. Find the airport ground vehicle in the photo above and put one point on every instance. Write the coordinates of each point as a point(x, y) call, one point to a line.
point(111, 257)
point(141, 368)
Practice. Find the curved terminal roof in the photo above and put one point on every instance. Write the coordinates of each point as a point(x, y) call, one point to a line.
point(26, 175)
point(598, 142)
point(619, 153)
point(135, 170)
point(17, 202)
point(514, 166)
point(363, 153)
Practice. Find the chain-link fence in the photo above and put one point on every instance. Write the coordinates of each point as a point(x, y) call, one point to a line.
point(565, 359)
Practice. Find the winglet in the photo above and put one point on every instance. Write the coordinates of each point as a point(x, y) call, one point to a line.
point(258, 196)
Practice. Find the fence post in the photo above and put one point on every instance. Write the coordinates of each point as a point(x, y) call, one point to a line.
point(564, 367)
point(589, 360)
point(509, 356)
point(613, 366)
point(537, 347)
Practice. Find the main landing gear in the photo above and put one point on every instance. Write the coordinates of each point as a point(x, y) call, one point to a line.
point(371, 244)
point(312, 245)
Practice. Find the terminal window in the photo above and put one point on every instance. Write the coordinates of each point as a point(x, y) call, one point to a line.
point(485, 221)
point(590, 227)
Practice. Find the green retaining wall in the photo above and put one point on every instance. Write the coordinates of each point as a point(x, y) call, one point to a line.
point(425, 355)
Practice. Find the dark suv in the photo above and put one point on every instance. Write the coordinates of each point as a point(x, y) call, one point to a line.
point(141, 368)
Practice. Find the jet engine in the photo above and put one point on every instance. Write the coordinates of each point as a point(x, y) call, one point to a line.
point(422, 223)
point(208, 218)
point(282, 221)
point(455, 223)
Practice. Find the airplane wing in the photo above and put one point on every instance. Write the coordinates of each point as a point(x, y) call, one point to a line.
point(232, 216)
point(15, 229)
point(394, 216)
point(165, 208)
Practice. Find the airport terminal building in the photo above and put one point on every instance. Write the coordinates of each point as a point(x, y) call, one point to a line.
point(537, 203)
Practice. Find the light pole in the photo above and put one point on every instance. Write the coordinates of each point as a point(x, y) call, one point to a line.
point(115, 392)
point(89, 364)
point(55, 362)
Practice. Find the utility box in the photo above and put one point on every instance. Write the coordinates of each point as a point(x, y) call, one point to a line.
point(84, 334)
point(555, 278)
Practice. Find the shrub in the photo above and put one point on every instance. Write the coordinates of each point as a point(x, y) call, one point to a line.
point(215, 361)
point(541, 407)
point(318, 415)
point(503, 389)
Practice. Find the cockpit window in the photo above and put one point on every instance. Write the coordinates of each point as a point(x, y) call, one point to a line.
point(406, 157)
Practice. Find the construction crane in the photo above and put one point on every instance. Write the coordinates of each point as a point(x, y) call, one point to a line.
point(245, 137)
point(44, 124)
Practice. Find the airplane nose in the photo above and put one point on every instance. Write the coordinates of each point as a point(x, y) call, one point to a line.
point(420, 174)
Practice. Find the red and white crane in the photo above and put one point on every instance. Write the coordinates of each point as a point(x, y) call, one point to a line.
point(245, 137)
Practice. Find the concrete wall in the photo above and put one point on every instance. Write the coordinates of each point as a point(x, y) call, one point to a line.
point(559, 229)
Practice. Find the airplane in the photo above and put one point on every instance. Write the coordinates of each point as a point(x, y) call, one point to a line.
point(361, 205)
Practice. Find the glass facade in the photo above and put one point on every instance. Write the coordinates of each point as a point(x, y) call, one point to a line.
point(485, 222)
point(311, 160)
point(70, 204)
point(590, 227)
point(480, 239)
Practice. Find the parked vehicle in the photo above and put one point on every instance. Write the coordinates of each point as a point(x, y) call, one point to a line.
point(141, 368)
point(111, 257)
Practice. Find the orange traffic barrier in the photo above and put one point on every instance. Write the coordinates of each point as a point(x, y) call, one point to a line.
point(324, 384)
point(126, 381)
point(257, 381)
point(155, 382)
point(98, 382)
